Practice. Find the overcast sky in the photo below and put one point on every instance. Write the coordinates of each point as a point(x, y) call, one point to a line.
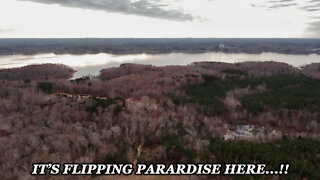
point(160, 18)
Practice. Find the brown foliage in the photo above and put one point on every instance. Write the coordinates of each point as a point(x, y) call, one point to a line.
point(36, 72)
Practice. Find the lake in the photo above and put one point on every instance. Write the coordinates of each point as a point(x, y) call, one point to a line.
point(91, 64)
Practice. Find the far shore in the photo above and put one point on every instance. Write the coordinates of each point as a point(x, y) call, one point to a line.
point(157, 52)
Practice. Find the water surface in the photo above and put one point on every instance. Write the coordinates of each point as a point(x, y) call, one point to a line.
point(91, 64)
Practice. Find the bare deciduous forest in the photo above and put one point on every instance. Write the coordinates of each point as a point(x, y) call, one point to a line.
point(203, 112)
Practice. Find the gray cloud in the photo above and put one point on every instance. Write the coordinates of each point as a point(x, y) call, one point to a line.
point(305, 5)
point(5, 31)
point(275, 4)
point(312, 6)
point(147, 8)
point(280, 1)
point(283, 5)
point(313, 9)
point(314, 29)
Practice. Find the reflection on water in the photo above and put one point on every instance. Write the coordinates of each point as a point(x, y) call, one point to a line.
point(91, 64)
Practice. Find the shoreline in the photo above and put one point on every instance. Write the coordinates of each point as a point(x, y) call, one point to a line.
point(154, 53)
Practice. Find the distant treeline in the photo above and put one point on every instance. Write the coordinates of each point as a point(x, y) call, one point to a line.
point(151, 45)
